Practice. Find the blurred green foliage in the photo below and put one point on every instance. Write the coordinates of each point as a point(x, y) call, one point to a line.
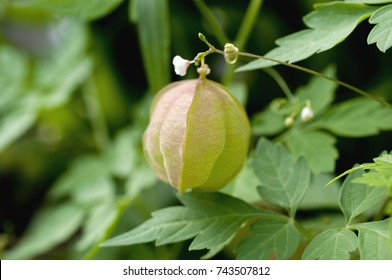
point(76, 81)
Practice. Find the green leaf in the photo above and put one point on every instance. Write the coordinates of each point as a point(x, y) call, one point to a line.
point(280, 238)
point(318, 148)
point(49, 227)
point(383, 159)
point(369, 1)
point(240, 91)
point(318, 197)
point(65, 68)
point(212, 218)
point(10, 77)
point(283, 181)
point(125, 153)
point(15, 123)
point(152, 18)
point(375, 240)
point(71, 80)
point(356, 198)
point(376, 179)
point(329, 23)
point(333, 244)
point(356, 118)
point(87, 180)
point(53, 80)
point(141, 178)
point(17, 111)
point(216, 249)
point(382, 168)
point(86, 10)
point(380, 172)
point(320, 92)
point(381, 34)
point(244, 185)
point(98, 219)
point(267, 122)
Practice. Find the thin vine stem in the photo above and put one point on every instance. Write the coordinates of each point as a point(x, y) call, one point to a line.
point(212, 22)
point(281, 83)
point(243, 33)
point(303, 69)
point(248, 23)
point(242, 36)
point(315, 73)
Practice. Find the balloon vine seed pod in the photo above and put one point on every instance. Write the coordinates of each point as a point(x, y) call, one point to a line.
point(198, 135)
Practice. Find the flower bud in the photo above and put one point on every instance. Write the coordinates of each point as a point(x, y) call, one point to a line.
point(307, 114)
point(288, 122)
point(198, 135)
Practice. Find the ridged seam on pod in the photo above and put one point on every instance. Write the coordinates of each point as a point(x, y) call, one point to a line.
point(198, 135)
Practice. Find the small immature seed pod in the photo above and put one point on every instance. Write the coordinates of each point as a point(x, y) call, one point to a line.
point(198, 135)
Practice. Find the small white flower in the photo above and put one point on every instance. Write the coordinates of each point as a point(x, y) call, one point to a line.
point(180, 65)
point(307, 114)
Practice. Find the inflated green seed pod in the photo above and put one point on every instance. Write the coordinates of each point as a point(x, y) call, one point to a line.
point(198, 135)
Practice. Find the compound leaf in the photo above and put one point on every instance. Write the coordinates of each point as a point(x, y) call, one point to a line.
point(329, 24)
point(381, 34)
point(270, 237)
point(87, 180)
point(318, 148)
point(356, 118)
point(55, 78)
point(375, 240)
point(380, 172)
point(283, 181)
point(333, 244)
point(49, 228)
point(212, 218)
point(98, 220)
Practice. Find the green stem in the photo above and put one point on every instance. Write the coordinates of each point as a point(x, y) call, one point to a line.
point(315, 73)
point(204, 39)
point(121, 207)
point(212, 22)
point(303, 230)
point(282, 84)
point(243, 35)
point(378, 216)
point(247, 24)
point(95, 115)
